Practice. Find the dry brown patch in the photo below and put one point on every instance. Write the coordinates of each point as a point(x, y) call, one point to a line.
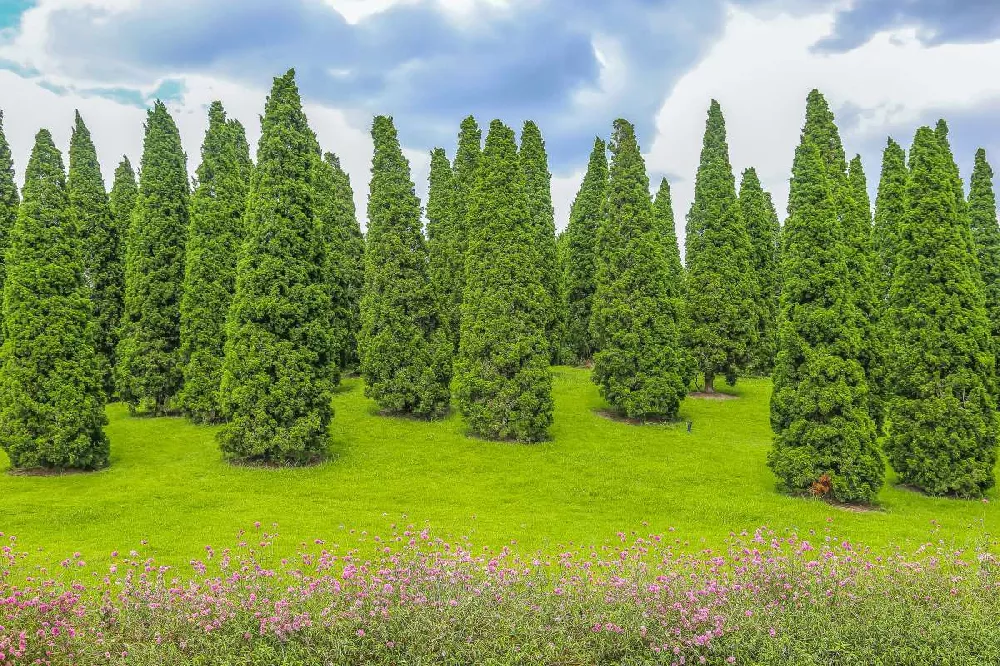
point(701, 395)
point(618, 417)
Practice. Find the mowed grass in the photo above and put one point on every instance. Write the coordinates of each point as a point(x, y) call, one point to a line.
point(168, 485)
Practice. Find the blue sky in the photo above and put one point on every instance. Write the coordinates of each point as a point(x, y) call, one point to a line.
point(573, 66)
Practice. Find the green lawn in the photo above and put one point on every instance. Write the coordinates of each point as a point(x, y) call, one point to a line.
point(167, 484)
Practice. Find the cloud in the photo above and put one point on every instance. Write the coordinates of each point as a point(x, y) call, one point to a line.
point(935, 21)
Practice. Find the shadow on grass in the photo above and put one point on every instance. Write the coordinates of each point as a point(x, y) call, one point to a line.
point(618, 417)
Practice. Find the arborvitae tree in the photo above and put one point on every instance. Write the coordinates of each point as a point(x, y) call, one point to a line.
point(404, 345)
point(763, 229)
point(538, 192)
point(640, 366)
point(101, 251)
point(444, 272)
point(214, 237)
point(148, 362)
point(579, 267)
point(350, 256)
point(51, 395)
point(890, 209)
point(663, 218)
point(721, 286)
point(464, 177)
point(503, 384)
point(8, 206)
point(986, 234)
point(824, 435)
point(279, 355)
point(942, 424)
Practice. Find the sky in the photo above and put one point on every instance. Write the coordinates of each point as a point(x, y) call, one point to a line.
point(572, 66)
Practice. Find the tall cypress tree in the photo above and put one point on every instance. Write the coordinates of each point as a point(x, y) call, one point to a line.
point(961, 205)
point(663, 218)
point(824, 434)
point(404, 344)
point(440, 239)
point(763, 229)
point(349, 254)
point(464, 177)
point(890, 209)
point(102, 256)
point(215, 234)
point(942, 424)
point(721, 283)
point(986, 234)
point(580, 265)
point(51, 395)
point(148, 370)
point(503, 385)
point(9, 201)
point(640, 366)
point(538, 192)
point(279, 356)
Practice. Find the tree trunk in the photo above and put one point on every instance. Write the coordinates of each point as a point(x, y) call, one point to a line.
point(709, 382)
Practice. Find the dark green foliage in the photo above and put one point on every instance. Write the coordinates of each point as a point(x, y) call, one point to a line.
point(538, 192)
point(721, 286)
point(986, 234)
point(890, 209)
point(279, 356)
point(640, 365)
point(961, 205)
point(579, 265)
point(503, 383)
point(663, 218)
point(464, 178)
point(214, 237)
point(763, 228)
point(404, 345)
point(824, 434)
point(148, 362)
point(101, 245)
point(51, 394)
point(441, 247)
point(942, 425)
point(8, 206)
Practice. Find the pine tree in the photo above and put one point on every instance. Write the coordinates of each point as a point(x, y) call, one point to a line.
point(148, 370)
point(580, 265)
point(404, 344)
point(9, 201)
point(51, 395)
point(279, 354)
point(824, 434)
point(986, 234)
point(101, 252)
point(503, 382)
point(942, 425)
point(538, 192)
point(762, 226)
point(349, 255)
point(663, 218)
point(721, 285)
point(214, 236)
point(124, 193)
point(640, 366)
point(440, 239)
point(464, 171)
point(890, 209)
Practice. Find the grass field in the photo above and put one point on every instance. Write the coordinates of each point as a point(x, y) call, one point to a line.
point(167, 484)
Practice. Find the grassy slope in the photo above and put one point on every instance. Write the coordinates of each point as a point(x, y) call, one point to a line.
point(168, 484)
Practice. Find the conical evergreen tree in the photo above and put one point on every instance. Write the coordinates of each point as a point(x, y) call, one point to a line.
point(640, 366)
point(101, 252)
point(721, 286)
point(942, 424)
point(663, 218)
point(890, 209)
point(215, 234)
point(579, 267)
point(51, 395)
point(404, 345)
point(279, 355)
point(440, 239)
point(824, 434)
point(9, 201)
point(503, 383)
point(961, 205)
point(464, 177)
point(763, 228)
point(538, 192)
point(986, 234)
point(349, 255)
point(148, 370)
